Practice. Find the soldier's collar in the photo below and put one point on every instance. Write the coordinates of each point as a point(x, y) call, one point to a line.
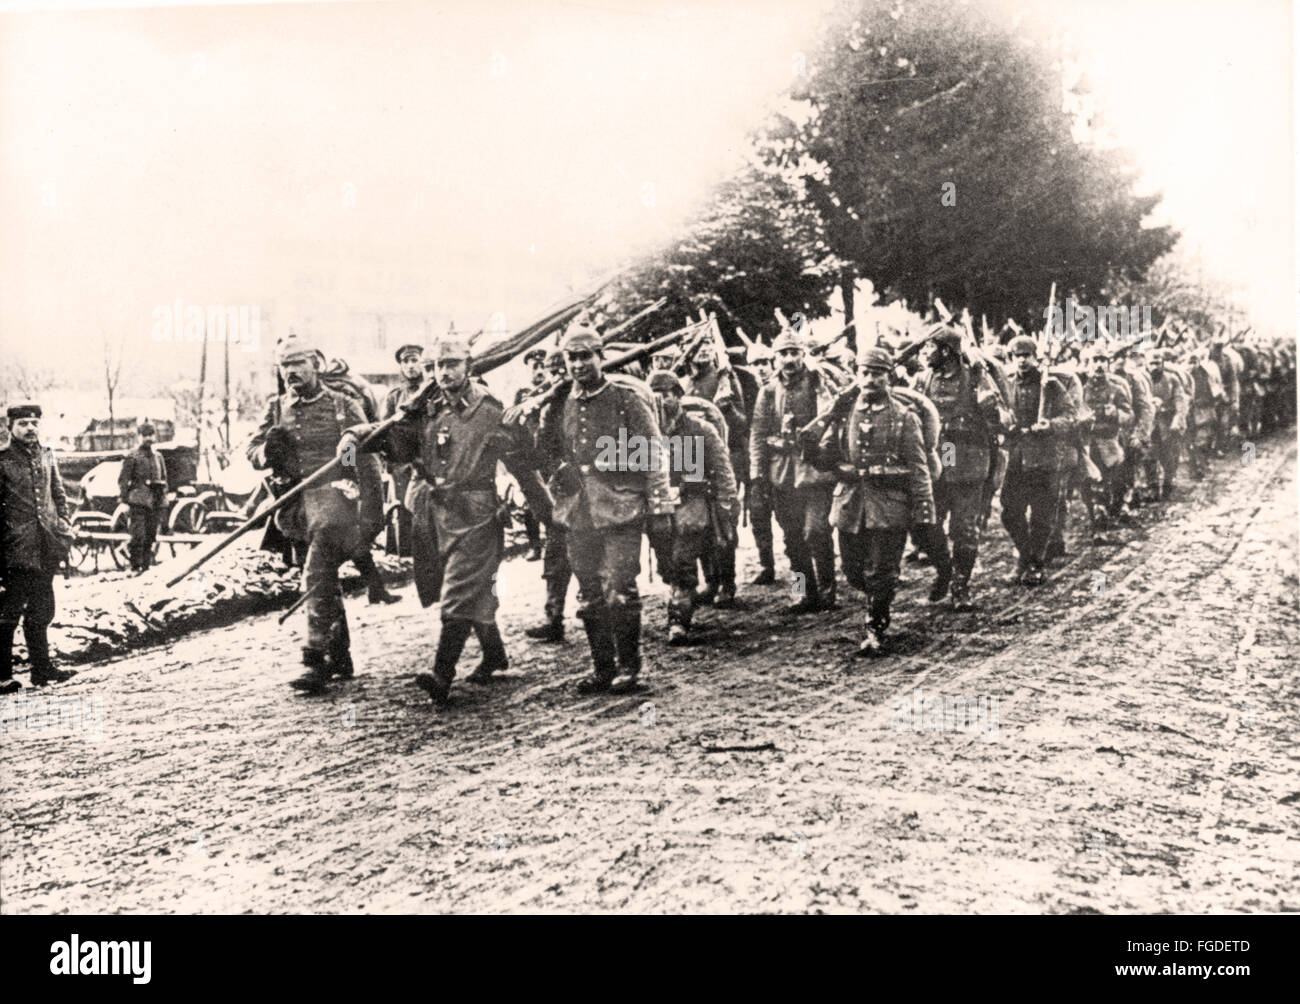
point(585, 394)
point(296, 398)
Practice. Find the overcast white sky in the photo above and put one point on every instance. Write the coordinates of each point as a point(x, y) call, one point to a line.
point(468, 157)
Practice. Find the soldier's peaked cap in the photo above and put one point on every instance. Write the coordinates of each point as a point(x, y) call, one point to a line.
point(873, 357)
point(787, 339)
point(24, 409)
point(404, 349)
point(538, 354)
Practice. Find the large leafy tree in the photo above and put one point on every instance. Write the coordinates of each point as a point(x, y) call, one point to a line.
point(757, 244)
point(948, 157)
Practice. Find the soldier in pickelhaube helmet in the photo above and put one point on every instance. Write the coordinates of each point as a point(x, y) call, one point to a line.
point(874, 446)
point(454, 442)
point(604, 512)
point(801, 494)
point(300, 432)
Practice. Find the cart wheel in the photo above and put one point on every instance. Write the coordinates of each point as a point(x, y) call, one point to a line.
point(121, 554)
point(121, 519)
point(78, 553)
point(187, 516)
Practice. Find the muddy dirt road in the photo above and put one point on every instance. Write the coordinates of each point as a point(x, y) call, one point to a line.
point(1122, 739)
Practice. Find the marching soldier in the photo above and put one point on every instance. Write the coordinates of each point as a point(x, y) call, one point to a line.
point(555, 557)
point(1169, 426)
point(801, 494)
point(971, 415)
point(536, 359)
point(410, 363)
point(1045, 419)
point(604, 512)
point(1208, 398)
point(1107, 397)
point(1230, 366)
point(36, 531)
point(876, 450)
point(453, 442)
point(721, 387)
point(758, 494)
point(706, 508)
point(143, 485)
point(1137, 443)
point(300, 432)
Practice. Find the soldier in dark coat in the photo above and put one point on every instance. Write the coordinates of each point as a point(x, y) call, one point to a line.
point(555, 557)
point(300, 432)
point(36, 532)
point(801, 494)
point(536, 359)
point(971, 415)
point(706, 506)
point(1045, 418)
point(604, 512)
point(410, 363)
point(877, 453)
point(143, 486)
point(454, 442)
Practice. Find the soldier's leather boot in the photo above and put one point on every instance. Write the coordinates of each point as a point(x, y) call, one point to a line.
point(450, 643)
point(625, 622)
point(8, 685)
point(1033, 574)
point(603, 652)
point(726, 596)
point(551, 631)
point(807, 602)
point(963, 562)
point(38, 654)
point(318, 672)
point(377, 593)
point(873, 643)
point(494, 653)
point(678, 625)
point(767, 566)
point(339, 653)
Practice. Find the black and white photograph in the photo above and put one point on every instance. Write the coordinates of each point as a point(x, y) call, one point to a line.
point(648, 457)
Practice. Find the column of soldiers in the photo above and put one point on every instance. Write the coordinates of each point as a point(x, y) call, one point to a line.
point(874, 461)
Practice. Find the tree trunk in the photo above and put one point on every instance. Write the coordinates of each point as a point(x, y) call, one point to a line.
point(847, 279)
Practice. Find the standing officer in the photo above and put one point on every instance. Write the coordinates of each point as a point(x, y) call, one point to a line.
point(1044, 417)
point(876, 450)
point(707, 500)
point(410, 363)
point(604, 512)
point(1167, 431)
point(971, 417)
point(300, 432)
point(36, 532)
point(454, 442)
point(143, 484)
point(801, 494)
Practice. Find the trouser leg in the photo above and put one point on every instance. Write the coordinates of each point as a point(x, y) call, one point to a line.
point(556, 571)
point(1015, 506)
point(790, 517)
point(321, 580)
point(884, 557)
point(820, 545)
